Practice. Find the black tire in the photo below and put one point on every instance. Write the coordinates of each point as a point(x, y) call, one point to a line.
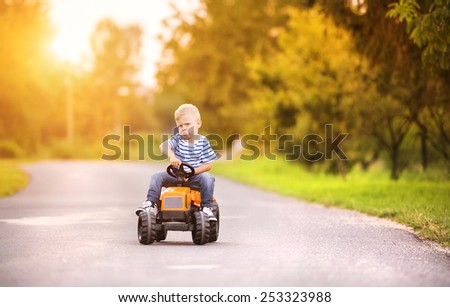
point(161, 235)
point(200, 233)
point(146, 227)
point(214, 226)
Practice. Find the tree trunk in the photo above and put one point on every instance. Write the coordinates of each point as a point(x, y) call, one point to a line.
point(424, 151)
point(342, 169)
point(394, 163)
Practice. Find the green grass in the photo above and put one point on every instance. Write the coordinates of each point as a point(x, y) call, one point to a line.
point(12, 179)
point(416, 201)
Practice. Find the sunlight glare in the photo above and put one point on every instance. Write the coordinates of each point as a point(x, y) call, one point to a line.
point(75, 21)
point(67, 49)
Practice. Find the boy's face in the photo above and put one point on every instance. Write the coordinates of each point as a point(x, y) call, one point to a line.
point(188, 126)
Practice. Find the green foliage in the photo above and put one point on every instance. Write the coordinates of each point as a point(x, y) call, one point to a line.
point(12, 178)
point(399, 75)
point(415, 201)
point(10, 150)
point(36, 86)
point(208, 53)
point(111, 83)
point(27, 74)
point(428, 25)
point(404, 10)
point(61, 149)
point(314, 78)
point(289, 66)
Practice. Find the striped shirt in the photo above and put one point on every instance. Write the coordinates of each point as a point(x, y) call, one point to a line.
point(194, 152)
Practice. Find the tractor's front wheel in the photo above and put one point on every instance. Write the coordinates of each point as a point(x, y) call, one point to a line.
point(200, 233)
point(146, 227)
point(214, 225)
point(161, 235)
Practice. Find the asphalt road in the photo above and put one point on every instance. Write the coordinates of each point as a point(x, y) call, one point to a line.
point(74, 225)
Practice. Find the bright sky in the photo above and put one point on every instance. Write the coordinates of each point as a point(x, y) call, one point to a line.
point(75, 21)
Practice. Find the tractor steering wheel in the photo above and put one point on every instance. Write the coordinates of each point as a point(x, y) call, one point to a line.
point(180, 173)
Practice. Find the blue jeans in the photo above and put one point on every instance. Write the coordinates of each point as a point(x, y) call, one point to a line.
point(203, 182)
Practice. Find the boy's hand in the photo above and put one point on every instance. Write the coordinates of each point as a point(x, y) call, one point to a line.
point(175, 162)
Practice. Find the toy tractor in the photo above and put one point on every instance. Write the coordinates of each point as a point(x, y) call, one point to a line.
point(179, 210)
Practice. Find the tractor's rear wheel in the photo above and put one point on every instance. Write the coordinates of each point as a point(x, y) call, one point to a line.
point(146, 227)
point(200, 233)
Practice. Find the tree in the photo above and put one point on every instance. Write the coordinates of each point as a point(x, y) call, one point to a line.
point(428, 26)
point(207, 55)
point(395, 58)
point(434, 119)
point(248, 68)
point(29, 80)
point(113, 80)
point(313, 79)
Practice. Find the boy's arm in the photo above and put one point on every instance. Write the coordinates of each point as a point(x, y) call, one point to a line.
point(209, 156)
point(165, 149)
point(203, 168)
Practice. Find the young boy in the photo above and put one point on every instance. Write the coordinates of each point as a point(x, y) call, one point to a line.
point(187, 146)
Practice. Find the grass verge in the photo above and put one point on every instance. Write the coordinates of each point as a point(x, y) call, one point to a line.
point(12, 178)
point(420, 203)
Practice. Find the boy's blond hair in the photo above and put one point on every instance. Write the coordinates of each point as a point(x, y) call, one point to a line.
point(187, 109)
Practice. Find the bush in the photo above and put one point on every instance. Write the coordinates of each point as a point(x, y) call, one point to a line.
point(10, 150)
point(60, 149)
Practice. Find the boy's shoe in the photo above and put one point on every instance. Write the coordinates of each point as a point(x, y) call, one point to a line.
point(210, 214)
point(147, 205)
